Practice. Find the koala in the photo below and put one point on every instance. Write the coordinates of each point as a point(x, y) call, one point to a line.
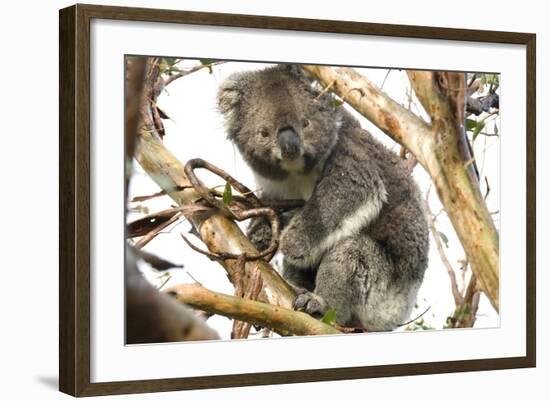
point(359, 244)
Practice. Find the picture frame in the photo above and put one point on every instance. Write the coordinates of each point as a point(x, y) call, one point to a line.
point(76, 201)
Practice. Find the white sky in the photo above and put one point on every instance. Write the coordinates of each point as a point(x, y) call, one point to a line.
point(196, 130)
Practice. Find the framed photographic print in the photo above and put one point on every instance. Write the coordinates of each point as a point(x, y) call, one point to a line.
point(251, 200)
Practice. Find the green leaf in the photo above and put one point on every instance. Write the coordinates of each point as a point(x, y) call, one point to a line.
point(330, 317)
point(489, 79)
point(470, 124)
point(337, 103)
point(444, 239)
point(227, 194)
point(167, 64)
point(492, 78)
point(480, 125)
point(208, 62)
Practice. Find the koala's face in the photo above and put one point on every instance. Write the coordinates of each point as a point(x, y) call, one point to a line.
point(278, 121)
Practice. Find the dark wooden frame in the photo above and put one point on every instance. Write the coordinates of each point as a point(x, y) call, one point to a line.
point(74, 199)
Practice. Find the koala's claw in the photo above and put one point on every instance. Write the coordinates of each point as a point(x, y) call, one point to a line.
point(310, 303)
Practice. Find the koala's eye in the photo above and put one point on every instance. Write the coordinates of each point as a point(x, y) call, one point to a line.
point(264, 132)
point(305, 123)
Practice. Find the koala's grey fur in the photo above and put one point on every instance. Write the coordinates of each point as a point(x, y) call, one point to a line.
point(360, 243)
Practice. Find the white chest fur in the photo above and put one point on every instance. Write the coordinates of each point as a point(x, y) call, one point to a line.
point(295, 186)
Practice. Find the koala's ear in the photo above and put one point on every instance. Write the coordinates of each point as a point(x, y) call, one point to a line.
point(230, 94)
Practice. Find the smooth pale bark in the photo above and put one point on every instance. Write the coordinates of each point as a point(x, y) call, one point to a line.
point(438, 147)
point(281, 320)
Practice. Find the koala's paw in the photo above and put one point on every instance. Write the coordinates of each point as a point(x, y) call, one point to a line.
point(310, 303)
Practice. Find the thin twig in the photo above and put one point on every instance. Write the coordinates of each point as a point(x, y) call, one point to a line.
point(144, 225)
point(209, 255)
point(465, 313)
point(325, 90)
point(463, 269)
point(472, 80)
point(168, 277)
point(488, 189)
point(236, 212)
point(158, 194)
point(385, 78)
point(416, 318)
point(437, 238)
point(153, 233)
point(196, 68)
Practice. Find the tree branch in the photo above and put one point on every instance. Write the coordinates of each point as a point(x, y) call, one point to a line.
point(465, 312)
point(437, 238)
point(156, 231)
point(183, 73)
point(152, 316)
point(281, 320)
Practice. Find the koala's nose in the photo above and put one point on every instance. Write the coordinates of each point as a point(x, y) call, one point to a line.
point(289, 143)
